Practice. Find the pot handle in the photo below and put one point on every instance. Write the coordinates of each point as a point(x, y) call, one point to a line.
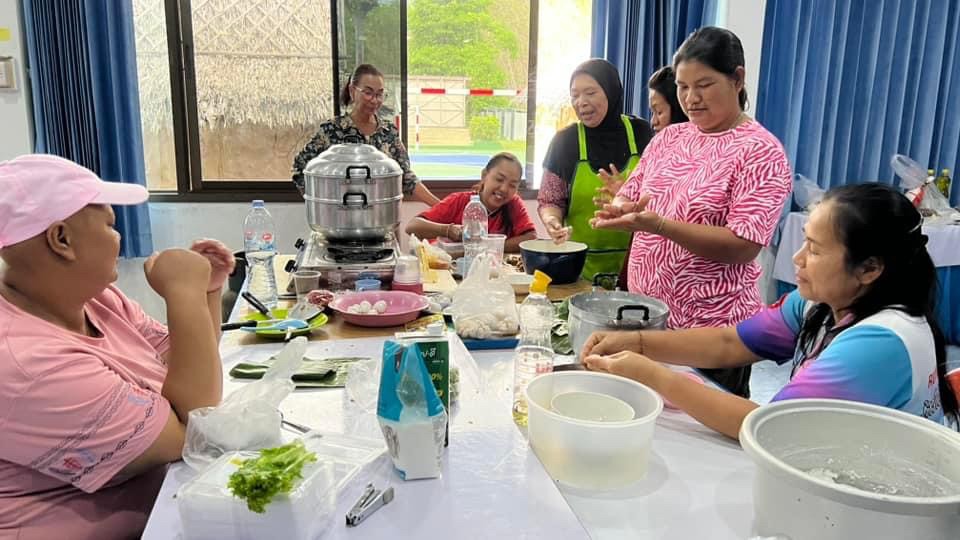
point(350, 199)
point(644, 309)
point(346, 174)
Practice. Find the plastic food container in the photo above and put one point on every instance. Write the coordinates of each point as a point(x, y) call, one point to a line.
point(585, 454)
point(591, 406)
point(209, 510)
point(832, 470)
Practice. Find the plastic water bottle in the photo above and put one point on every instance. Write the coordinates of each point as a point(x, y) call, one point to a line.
point(259, 243)
point(534, 351)
point(474, 230)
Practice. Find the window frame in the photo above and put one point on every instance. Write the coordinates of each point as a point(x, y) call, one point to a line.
point(191, 187)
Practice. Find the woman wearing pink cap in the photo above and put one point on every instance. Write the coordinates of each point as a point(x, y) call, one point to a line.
point(94, 394)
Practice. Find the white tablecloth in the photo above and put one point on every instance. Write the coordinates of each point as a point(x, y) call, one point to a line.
point(943, 245)
point(493, 486)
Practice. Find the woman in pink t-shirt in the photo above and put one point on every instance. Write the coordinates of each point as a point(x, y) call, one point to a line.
point(705, 198)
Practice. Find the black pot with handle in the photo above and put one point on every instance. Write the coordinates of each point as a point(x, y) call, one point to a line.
point(562, 262)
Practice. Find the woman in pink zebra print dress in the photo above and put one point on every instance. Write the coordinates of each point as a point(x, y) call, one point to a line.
point(705, 198)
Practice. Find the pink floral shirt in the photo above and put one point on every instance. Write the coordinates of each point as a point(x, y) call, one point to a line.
point(738, 179)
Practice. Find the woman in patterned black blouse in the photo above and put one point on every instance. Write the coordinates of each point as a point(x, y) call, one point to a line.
point(363, 125)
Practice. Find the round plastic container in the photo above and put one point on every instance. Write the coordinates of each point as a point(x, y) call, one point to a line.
point(592, 455)
point(368, 285)
point(835, 470)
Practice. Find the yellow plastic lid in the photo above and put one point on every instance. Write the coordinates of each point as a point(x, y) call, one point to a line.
point(540, 282)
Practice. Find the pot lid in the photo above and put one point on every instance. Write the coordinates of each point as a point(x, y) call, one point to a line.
point(335, 162)
point(604, 307)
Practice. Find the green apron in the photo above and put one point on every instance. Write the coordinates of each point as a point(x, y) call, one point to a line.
point(607, 249)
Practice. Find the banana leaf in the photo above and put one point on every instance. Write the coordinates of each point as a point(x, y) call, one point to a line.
point(313, 372)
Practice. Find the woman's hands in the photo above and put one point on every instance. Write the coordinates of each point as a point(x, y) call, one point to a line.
point(221, 261)
point(556, 230)
point(631, 365)
point(628, 216)
point(603, 343)
point(612, 182)
point(453, 232)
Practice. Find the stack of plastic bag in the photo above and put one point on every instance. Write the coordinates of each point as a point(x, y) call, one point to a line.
point(247, 419)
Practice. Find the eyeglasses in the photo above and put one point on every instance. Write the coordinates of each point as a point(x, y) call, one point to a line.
point(370, 94)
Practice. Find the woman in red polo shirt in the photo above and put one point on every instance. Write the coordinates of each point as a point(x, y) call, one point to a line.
point(498, 193)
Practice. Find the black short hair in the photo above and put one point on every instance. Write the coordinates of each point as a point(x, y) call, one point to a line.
point(664, 82)
point(718, 48)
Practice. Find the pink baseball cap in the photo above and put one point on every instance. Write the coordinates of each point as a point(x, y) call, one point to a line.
point(38, 190)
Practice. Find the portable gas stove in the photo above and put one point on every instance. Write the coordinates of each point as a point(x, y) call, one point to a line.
point(342, 263)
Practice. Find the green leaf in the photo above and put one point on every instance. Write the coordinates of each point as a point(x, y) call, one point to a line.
point(275, 471)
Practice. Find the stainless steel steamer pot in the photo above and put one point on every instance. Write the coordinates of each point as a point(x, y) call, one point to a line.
point(353, 193)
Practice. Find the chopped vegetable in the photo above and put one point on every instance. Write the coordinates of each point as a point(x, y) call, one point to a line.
point(275, 471)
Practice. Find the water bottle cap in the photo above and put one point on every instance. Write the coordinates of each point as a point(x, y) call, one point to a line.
point(540, 282)
point(475, 197)
point(258, 203)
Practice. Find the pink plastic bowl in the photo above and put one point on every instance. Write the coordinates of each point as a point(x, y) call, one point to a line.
point(402, 307)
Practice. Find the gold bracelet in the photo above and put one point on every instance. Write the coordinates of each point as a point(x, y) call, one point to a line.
point(446, 232)
point(640, 340)
point(659, 225)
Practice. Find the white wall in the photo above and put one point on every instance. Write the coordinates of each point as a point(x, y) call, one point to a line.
point(745, 19)
point(15, 134)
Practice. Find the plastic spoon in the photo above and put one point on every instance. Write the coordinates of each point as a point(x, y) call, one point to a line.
point(285, 324)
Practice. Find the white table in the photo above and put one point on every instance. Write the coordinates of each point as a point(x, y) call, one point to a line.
point(943, 244)
point(493, 486)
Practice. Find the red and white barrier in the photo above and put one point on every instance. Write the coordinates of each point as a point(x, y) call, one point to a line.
point(469, 92)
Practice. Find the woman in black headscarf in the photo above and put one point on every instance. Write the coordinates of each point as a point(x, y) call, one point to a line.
point(586, 156)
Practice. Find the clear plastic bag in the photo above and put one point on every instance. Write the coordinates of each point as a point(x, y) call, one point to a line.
point(920, 189)
point(484, 307)
point(911, 174)
point(806, 192)
point(411, 415)
point(247, 419)
point(436, 257)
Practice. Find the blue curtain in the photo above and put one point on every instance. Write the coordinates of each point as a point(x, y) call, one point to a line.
point(846, 85)
point(86, 104)
point(640, 36)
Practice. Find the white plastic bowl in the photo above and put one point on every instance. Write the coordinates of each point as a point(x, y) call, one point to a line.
point(865, 444)
point(592, 455)
point(592, 407)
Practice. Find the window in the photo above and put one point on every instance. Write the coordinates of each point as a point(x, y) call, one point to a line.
point(254, 79)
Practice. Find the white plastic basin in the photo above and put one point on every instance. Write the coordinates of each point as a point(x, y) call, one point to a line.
point(586, 454)
point(836, 470)
point(592, 407)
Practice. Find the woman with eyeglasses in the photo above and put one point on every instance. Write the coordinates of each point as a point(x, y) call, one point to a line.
point(362, 125)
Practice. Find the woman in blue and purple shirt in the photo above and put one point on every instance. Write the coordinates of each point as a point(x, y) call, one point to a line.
point(859, 326)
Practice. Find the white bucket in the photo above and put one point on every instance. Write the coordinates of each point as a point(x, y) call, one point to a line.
point(587, 454)
point(908, 469)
